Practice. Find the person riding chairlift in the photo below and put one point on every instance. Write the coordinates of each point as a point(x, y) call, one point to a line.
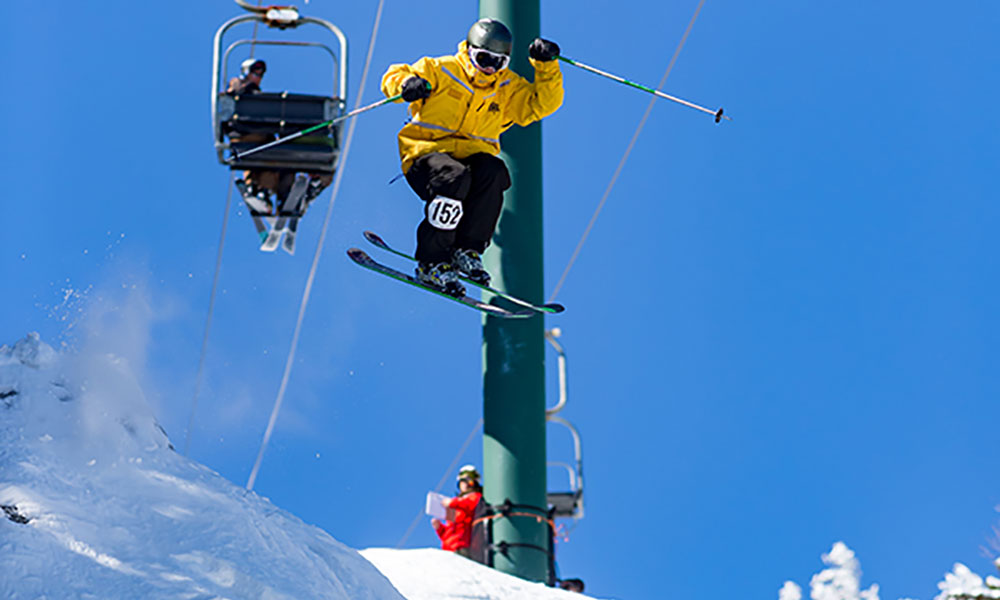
point(251, 73)
point(260, 183)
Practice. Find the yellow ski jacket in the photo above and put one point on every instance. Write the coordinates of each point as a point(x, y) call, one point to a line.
point(468, 109)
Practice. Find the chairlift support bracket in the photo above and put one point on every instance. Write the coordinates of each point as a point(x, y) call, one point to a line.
point(281, 17)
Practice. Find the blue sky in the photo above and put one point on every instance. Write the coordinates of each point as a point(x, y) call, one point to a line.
point(781, 332)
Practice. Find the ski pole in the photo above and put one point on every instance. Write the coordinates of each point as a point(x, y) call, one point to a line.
point(288, 138)
point(717, 113)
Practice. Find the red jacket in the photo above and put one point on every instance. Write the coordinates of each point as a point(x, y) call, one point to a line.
point(458, 533)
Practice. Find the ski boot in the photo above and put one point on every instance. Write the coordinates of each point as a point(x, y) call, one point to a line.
point(316, 186)
point(258, 199)
point(470, 264)
point(440, 276)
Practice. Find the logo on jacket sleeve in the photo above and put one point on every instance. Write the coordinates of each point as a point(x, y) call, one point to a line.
point(494, 107)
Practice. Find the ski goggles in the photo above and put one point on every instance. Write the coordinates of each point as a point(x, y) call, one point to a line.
point(485, 60)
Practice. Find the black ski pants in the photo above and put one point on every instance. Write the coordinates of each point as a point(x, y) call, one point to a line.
point(478, 181)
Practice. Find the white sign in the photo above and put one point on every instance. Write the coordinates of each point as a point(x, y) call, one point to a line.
point(435, 508)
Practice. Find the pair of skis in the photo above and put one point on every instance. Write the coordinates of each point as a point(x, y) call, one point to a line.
point(526, 309)
point(280, 229)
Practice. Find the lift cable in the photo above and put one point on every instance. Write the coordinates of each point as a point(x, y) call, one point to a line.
point(444, 478)
point(628, 151)
point(315, 263)
point(208, 318)
point(215, 285)
point(253, 41)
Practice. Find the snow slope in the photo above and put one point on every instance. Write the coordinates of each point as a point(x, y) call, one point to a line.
point(430, 574)
point(112, 511)
point(96, 504)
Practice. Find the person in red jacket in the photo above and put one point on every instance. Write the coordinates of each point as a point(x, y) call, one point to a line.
point(456, 531)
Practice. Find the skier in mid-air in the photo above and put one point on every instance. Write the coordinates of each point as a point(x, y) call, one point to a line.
point(459, 106)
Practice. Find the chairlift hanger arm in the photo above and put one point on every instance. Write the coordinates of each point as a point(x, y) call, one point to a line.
point(550, 336)
point(333, 29)
point(252, 8)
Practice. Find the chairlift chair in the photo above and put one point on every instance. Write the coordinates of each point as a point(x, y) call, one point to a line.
point(568, 504)
point(565, 504)
point(279, 113)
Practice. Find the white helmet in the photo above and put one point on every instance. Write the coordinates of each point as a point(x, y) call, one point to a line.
point(249, 64)
point(468, 472)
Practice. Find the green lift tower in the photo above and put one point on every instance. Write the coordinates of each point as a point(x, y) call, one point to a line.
point(514, 467)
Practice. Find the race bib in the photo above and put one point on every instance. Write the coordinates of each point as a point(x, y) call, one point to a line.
point(444, 213)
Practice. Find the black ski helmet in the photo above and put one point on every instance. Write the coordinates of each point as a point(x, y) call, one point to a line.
point(492, 35)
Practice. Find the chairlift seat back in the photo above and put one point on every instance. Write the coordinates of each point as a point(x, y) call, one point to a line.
point(277, 115)
point(564, 504)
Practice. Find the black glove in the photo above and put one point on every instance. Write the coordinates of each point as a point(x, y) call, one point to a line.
point(543, 50)
point(416, 88)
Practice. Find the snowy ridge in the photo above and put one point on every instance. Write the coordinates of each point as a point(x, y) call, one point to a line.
point(841, 580)
point(963, 584)
point(98, 505)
